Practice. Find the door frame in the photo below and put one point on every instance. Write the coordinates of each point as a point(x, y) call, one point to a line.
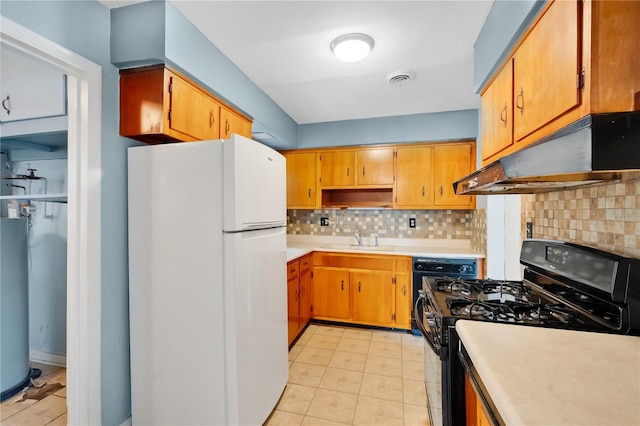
point(84, 97)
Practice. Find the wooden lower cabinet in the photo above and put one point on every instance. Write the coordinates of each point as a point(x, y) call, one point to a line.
point(299, 288)
point(331, 296)
point(362, 289)
point(475, 413)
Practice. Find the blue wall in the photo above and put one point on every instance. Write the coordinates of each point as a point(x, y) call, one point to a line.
point(84, 27)
point(164, 32)
point(406, 128)
point(505, 23)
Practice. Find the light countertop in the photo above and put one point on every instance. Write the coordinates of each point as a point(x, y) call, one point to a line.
point(544, 376)
point(299, 245)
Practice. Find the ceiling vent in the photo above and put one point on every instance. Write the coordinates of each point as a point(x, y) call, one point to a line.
point(399, 77)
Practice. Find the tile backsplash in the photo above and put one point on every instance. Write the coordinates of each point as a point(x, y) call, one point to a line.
point(449, 224)
point(603, 216)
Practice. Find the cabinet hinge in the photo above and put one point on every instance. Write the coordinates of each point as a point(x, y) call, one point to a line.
point(580, 80)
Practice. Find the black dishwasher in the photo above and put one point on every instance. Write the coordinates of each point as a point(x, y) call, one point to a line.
point(433, 266)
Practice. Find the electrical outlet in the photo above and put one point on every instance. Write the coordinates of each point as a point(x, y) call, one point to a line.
point(529, 229)
point(412, 222)
point(324, 221)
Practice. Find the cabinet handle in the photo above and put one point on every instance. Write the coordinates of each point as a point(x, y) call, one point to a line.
point(518, 104)
point(404, 290)
point(341, 284)
point(297, 296)
point(226, 127)
point(503, 115)
point(441, 190)
point(6, 101)
point(212, 119)
point(358, 286)
point(362, 170)
point(347, 171)
point(423, 191)
point(309, 192)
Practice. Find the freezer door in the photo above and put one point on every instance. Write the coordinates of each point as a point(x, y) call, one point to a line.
point(254, 185)
point(255, 291)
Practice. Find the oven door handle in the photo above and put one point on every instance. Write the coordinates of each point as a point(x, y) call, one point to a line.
point(435, 346)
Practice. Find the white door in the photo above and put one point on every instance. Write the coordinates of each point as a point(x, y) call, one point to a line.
point(255, 287)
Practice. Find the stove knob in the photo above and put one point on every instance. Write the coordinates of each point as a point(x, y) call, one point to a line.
point(419, 266)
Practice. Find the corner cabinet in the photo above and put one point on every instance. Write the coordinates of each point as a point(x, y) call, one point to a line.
point(362, 289)
point(425, 175)
point(577, 58)
point(299, 288)
point(302, 192)
point(159, 105)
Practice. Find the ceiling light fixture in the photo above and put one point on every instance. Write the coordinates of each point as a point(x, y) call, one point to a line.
point(352, 47)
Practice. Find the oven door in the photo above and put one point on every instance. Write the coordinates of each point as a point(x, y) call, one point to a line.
point(426, 322)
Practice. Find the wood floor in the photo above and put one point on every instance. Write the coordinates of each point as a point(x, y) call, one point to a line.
point(42, 405)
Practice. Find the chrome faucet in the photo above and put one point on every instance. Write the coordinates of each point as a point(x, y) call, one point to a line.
point(358, 238)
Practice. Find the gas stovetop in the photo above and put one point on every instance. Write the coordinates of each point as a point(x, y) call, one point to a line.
point(511, 301)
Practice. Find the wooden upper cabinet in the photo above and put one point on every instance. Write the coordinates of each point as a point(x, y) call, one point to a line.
point(158, 105)
point(362, 168)
point(497, 113)
point(337, 168)
point(577, 58)
point(451, 162)
point(191, 111)
point(414, 177)
point(546, 69)
point(301, 180)
point(232, 122)
point(374, 166)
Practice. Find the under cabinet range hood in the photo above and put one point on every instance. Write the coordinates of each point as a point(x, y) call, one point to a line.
point(597, 148)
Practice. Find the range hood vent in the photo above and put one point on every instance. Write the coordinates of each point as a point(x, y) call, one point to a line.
point(597, 148)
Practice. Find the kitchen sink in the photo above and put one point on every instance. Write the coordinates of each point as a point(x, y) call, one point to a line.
point(337, 246)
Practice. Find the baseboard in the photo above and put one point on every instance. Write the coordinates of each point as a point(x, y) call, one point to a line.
point(59, 360)
point(127, 422)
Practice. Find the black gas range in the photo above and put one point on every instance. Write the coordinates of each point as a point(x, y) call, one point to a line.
point(565, 286)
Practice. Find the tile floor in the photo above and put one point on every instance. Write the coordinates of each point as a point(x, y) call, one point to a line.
point(337, 376)
point(345, 375)
point(51, 410)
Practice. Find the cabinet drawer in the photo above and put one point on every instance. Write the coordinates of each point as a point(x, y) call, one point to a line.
point(379, 263)
point(305, 263)
point(292, 269)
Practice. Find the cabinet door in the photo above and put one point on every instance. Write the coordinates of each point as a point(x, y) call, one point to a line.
point(301, 180)
point(546, 69)
point(337, 168)
point(497, 113)
point(403, 293)
point(305, 298)
point(414, 177)
point(30, 88)
point(331, 293)
point(193, 112)
point(374, 166)
point(293, 302)
point(451, 163)
point(230, 122)
point(373, 297)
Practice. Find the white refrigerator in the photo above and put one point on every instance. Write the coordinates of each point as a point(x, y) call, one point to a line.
point(207, 282)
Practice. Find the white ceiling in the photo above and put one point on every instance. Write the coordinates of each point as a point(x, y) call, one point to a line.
point(283, 47)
